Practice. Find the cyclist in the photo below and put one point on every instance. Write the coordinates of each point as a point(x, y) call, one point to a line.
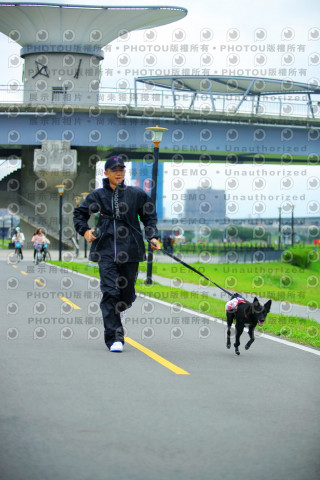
point(40, 239)
point(18, 239)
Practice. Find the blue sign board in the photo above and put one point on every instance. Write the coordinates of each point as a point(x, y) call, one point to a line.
point(142, 177)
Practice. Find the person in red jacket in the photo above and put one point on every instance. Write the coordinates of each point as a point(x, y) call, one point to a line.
point(117, 243)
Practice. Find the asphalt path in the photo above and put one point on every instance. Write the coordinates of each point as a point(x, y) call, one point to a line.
point(70, 409)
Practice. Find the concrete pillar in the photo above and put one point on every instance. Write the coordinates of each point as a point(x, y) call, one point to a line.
point(39, 202)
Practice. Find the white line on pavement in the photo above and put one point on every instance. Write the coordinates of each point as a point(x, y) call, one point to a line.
point(216, 320)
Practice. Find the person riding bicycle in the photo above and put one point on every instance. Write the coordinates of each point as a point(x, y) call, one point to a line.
point(40, 239)
point(18, 240)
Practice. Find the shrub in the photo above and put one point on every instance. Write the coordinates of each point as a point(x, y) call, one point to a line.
point(300, 257)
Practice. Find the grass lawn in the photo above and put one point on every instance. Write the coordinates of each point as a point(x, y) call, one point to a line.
point(276, 280)
point(295, 329)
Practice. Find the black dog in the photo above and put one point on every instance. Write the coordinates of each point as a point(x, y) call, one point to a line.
point(245, 313)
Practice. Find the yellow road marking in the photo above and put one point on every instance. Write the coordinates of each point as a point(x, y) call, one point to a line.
point(23, 272)
point(73, 305)
point(156, 357)
point(14, 266)
point(39, 282)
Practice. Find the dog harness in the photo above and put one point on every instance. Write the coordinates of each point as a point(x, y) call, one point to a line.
point(232, 305)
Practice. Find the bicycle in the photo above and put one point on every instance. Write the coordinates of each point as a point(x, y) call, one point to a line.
point(42, 253)
point(18, 251)
point(38, 255)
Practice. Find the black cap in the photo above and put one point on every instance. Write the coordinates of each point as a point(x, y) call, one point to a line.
point(114, 162)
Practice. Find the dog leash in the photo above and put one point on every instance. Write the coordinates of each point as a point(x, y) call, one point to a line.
point(117, 216)
point(177, 259)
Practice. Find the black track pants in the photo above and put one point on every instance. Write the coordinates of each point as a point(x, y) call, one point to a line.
point(117, 283)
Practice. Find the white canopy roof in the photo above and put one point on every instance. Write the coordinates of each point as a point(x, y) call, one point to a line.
point(94, 25)
point(230, 85)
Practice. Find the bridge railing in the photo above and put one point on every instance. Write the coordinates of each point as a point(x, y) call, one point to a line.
point(153, 98)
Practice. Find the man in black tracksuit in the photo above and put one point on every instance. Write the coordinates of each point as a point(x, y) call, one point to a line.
point(118, 246)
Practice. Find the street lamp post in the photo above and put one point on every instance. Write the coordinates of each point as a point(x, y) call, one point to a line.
point(292, 227)
point(75, 238)
point(60, 190)
point(84, 196)
point(279, 232)
point(157, 133)
point(3, 222)
point(11, 232)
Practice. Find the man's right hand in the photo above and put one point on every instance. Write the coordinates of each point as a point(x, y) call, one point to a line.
point(89, 235)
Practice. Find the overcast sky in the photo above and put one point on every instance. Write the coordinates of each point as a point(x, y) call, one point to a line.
point(274, 38)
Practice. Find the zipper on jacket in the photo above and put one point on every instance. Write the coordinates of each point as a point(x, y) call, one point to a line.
point(114, 229)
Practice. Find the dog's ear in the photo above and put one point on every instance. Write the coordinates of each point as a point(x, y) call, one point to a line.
point(267, 306)
point(256, 307)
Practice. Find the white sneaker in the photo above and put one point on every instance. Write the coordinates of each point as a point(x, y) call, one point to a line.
point(116, 347)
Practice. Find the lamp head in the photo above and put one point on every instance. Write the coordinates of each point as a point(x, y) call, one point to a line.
point(157, 133)
point(60, 189)
point(78, 198)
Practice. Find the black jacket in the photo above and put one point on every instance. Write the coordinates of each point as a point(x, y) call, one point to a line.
point(119, 235)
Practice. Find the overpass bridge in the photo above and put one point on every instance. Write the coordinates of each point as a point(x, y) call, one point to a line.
point(244, 118)
point(88, 134)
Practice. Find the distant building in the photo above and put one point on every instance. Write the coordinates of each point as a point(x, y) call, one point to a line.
point(141, 176)
point(205, 204)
